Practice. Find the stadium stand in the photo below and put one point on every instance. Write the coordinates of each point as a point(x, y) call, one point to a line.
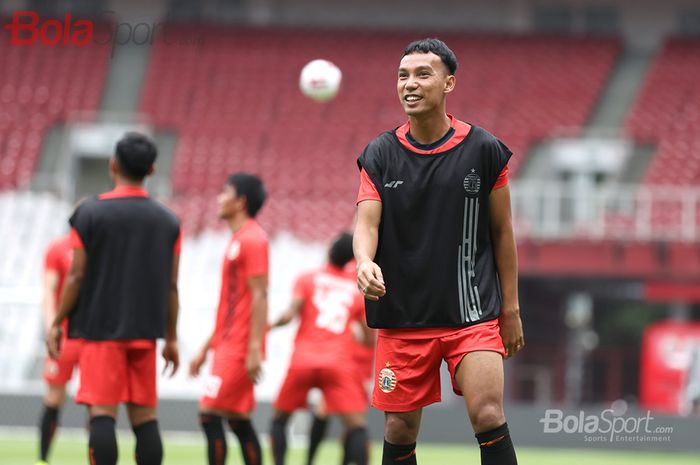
point(28, 221)
point(230, 100)
point(42, 86)
point(667, 115)
point(235, 105)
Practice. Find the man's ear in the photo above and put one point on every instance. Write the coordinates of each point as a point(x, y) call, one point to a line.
point(450, 83)
point(113, 167)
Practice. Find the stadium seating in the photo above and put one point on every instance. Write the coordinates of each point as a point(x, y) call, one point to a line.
point(235, 105)
point(28, 221)
point(667, 115)
point(41, 86)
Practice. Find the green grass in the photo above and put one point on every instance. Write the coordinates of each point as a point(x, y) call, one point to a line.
point(20, 450)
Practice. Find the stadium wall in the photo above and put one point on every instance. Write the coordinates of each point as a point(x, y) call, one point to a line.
point(642, 23)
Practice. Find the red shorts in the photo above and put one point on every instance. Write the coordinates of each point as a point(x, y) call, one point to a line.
point(342, 390)
point(115, 372)
point(407, 371)
point(228, 387)
point(57, 372)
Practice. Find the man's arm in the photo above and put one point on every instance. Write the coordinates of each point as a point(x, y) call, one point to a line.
point(48, 304)
point(506, 257)
point(200, 358)
point(364, 245)
point(291, 313)
point(69, 298)
point(258, 321)
point(368, 335)
point(170, 350)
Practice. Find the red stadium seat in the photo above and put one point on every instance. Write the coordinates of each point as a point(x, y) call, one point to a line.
point(667, 114)
point(235, 104)
point(40, 87)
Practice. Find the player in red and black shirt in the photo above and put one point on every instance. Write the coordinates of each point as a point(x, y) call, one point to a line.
point(327, 304)
point(57, 372)
point(121, 295)
point(238, 339)
point(437, 261)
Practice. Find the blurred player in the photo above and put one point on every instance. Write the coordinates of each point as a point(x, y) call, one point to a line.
point(363, 361)
point(363, 357)
point(121, 295)
point(57, 372)
point(437, 261)
point(239, 333)
point(327, 303)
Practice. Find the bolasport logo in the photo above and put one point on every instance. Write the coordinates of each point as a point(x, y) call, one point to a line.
point(608, 426)
point(28, 28)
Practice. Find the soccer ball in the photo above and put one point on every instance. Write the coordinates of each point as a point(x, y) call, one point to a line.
point(320, 80)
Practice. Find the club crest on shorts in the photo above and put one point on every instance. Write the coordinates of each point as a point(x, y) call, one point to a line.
point(472, 183)
point(212, 385)
point(52, 368)
point(387, 380)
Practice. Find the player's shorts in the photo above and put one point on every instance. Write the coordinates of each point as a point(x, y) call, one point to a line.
point(228, 387)
point(57, 372)
point(407, 371)
point(115, 372)
point(342, 391)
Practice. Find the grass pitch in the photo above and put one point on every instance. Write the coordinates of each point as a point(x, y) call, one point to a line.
point(21, 449)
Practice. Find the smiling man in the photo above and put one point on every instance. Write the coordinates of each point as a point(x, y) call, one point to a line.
point(436, 261)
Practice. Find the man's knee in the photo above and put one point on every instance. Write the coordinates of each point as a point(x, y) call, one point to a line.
point(487, 415)
point(140, 414)
point(353, 420)
point(401, 428)
point(55, 396)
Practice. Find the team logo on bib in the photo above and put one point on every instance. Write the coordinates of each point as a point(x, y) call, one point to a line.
point(472, 183)
point(387, 380)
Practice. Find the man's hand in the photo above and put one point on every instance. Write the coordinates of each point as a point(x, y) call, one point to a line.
point(171, 355)
point(511, 331)
point(53, 340)
point(197, 362)
point(370, 280)
point(253, 364)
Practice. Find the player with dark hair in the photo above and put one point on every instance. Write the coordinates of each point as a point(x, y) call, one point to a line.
point(326, 302)
point(238, 339)
point(120, 296)
point(57, 372)
point(436, 261)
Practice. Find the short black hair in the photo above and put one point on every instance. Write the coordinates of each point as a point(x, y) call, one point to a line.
point(252, 188)
point(341, 250)
point(135, 155)
point(437, 47)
